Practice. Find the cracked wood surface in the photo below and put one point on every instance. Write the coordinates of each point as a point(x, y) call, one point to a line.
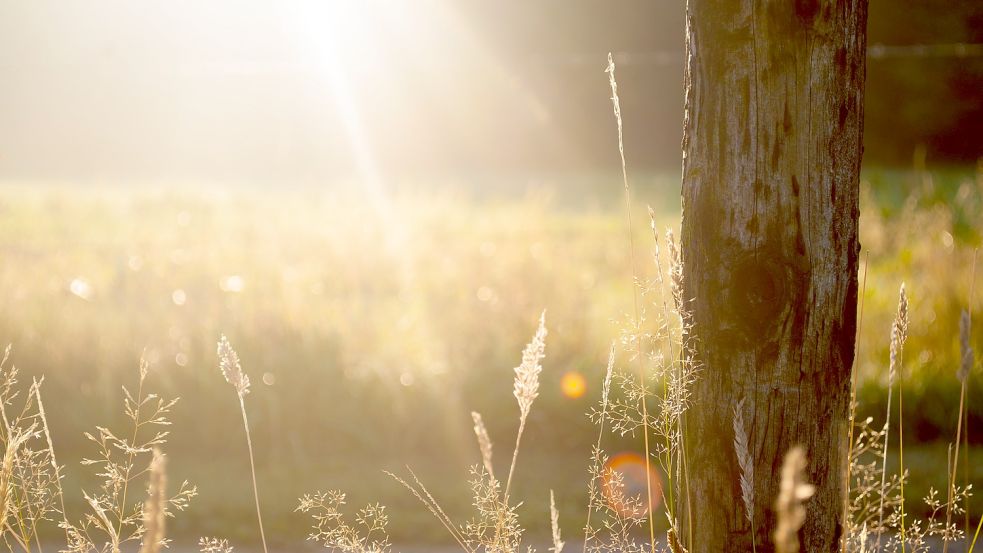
point(771, 162)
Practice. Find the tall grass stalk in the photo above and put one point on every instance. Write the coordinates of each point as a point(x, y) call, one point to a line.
point(423, 495)
point(616, 104)
point(679, 366)
point(54, 463)
point(976, 536)
point(883, 490)
point(893, 369)
point(9, 434)
point(899, 333)
point(232, 370)
point(966, 361)
point(526, 388)
point(672, 357)
point(853, 403)
point(969, 310)
point(136, 428)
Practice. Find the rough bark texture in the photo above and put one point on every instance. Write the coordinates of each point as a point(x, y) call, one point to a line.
point(772, 149)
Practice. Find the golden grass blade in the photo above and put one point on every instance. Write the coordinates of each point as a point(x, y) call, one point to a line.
point(616, 105)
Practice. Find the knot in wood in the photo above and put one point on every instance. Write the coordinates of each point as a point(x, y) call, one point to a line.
point(757, 295)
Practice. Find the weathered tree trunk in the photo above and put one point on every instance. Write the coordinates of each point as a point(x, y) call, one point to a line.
point(772, 149)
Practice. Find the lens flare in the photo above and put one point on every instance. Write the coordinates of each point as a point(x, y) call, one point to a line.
point(573, 385)
point(624, 484)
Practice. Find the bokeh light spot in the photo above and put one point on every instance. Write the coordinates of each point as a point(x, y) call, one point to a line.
point(573, 385)
point(624, 485)
point(81, 288)
point(485, 294)
point(232, 283)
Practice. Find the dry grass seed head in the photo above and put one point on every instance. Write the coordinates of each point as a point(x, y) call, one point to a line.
point(675, 271)
point(744, 461)
point(899, 333)
point(15, 440)
point(555, 526)
point(228, 361)
point(484, 443)
point(155, 508)
point(526, 388)
point(330, 529)
point(793, 491)
point(214, 545)
point(608, 374)
point(966, 356)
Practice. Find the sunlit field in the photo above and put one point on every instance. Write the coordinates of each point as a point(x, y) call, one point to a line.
point(371, 326)
point(565, 276)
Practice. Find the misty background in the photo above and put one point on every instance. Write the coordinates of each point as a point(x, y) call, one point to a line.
point(120, 92)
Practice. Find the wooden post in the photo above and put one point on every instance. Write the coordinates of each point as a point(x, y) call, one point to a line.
point(771, 164)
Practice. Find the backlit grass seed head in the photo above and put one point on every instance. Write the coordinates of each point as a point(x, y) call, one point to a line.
point(675, 270)
point(899, 333)
point(608, 374)
point(793, 491)
point(154, 509)
point(745, 462)
point(527, 374)
point(484, 443)
point(555, 526)
point(966, 356)
point(7, 485)
point(228, 361)
point(214, 545)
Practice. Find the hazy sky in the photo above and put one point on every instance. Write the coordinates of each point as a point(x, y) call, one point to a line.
point(233, 90)
point(243, 91)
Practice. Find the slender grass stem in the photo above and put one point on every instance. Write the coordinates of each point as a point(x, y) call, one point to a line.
point(634, 286)
point(252, 469)
point(965, 412)
point(976, 536)
point(844, 544)
point(953, 470)
point(901, 452)
point(54, 462)
point(515, 456)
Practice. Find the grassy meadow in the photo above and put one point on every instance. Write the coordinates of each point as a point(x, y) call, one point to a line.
point(372, 324)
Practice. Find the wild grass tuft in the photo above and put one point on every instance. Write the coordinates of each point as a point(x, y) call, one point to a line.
point(330, 529)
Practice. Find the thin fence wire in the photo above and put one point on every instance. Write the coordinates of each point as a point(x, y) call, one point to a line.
point(875, 52)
